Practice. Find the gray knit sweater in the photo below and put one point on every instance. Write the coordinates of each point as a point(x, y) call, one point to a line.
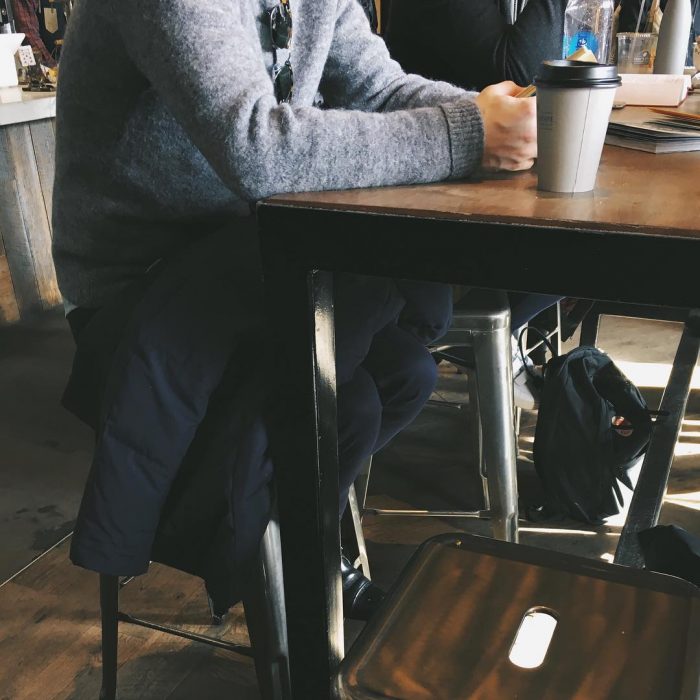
point(168, 126)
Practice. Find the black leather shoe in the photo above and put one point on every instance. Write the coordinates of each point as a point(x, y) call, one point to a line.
point(361, 597)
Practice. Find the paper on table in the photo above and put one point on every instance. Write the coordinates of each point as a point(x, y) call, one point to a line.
point(653, 136)
point(652, 89)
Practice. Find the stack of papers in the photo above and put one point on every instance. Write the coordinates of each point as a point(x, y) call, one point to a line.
point(671, 132)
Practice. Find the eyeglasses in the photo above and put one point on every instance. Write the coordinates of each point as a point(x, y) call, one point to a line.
point(279, 21)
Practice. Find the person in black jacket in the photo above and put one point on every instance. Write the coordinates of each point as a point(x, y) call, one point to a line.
point(469, 42)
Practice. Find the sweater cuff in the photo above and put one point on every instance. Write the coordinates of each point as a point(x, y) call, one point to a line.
point(466, 131)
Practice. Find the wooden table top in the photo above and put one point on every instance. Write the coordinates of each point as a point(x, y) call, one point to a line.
point(636, 192)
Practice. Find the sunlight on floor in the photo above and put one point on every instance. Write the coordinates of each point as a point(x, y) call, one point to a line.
point(564, 531)
point(652, 374)
point(686, 500)
point(683, 449)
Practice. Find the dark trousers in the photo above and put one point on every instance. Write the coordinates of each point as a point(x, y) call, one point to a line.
point(385, 373)
point(524, 307)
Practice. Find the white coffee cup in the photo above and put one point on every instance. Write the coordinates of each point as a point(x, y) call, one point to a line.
point(574, 100)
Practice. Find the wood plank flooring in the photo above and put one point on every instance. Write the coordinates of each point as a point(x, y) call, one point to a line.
point(50, 638)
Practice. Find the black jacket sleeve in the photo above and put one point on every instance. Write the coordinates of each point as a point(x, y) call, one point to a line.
point(469, 43)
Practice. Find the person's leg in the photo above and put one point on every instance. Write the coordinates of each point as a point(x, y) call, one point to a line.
point(385, 373)
point(359, 423)
point(524, 307)
point(405, 375)
point(363, 307)
point(384, 376)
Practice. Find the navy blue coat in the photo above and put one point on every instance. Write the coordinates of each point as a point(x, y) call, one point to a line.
point(170, 377)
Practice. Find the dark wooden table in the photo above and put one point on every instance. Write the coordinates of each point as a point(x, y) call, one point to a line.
point(635, 239)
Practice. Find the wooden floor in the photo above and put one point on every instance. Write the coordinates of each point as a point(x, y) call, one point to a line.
point(50, 638)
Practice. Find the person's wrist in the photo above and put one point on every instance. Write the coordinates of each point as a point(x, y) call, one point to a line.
point(466, 133)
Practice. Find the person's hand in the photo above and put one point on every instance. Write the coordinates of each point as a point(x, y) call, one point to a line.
point(510, 127)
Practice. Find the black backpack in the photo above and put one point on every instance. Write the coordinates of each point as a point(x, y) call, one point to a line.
point(592, 426)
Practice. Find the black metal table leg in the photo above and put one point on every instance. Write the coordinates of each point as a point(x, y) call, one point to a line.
point(303, 438)
point(650, 489)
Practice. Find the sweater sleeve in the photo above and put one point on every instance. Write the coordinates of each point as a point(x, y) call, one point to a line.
point(360, 74)
point(206, 63)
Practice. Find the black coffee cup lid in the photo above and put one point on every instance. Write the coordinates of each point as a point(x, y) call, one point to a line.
point(577, 74)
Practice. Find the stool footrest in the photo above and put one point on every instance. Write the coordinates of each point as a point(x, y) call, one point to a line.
point(430, 513)
point(219, 643)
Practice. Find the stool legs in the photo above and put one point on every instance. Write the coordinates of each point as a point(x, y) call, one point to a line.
point(476, 438)
point(494, 384)
point(266, 619)
point(359, 537)
point(265, 615)
point(109, 604)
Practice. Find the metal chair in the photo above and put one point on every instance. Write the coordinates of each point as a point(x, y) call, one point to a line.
point(475, 617)
point(481, 323)
point(265, 616)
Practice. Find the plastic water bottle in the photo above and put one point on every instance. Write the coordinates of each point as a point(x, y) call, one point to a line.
point(674, 33)
point(588, 23)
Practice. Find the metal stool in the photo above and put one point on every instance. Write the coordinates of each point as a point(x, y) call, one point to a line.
point(265, 616)
point(472, 617)
point(481, 323)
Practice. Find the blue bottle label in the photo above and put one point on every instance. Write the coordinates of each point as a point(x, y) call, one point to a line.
point(581, 38)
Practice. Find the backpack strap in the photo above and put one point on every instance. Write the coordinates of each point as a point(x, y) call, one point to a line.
point(521, 349)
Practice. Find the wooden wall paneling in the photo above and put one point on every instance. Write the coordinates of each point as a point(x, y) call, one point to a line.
point(9, 311)
point(20, 160)
point(44, 143)
point(17, 250)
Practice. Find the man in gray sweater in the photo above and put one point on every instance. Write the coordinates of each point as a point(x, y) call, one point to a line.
point(174, 118)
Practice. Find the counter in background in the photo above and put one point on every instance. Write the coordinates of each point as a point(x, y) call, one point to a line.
point(27, 141)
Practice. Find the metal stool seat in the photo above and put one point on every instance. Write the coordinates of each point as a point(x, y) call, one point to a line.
point(472, 617)
point(481, 323)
